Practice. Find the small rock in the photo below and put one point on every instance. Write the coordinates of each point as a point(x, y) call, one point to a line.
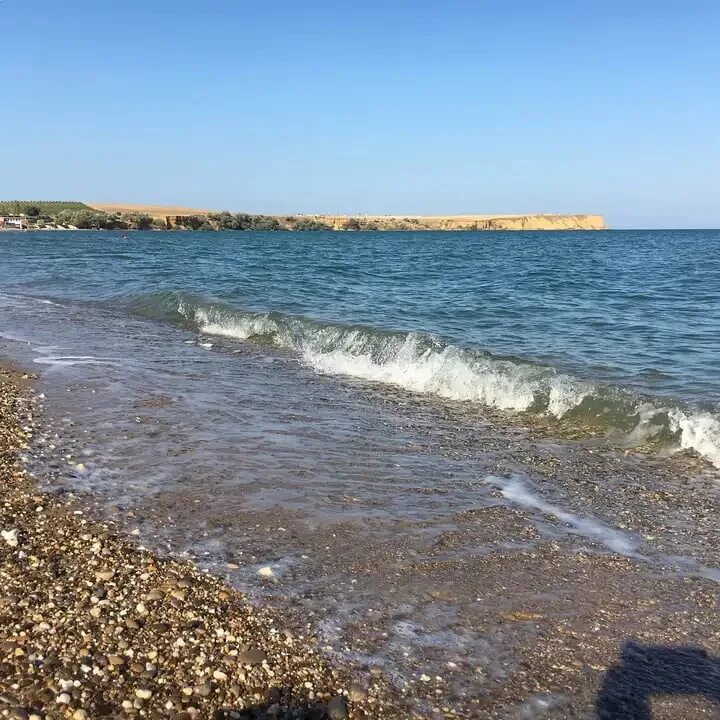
point(337, 710)
point(10, 537)
point(357, 693)
point(63, 699)
point(251, 657)
point(143, 694)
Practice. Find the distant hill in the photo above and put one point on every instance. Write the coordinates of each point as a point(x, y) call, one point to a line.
point(46, 207)
point(154, 211)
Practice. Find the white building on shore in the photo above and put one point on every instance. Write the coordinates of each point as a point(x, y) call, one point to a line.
point(13, 222)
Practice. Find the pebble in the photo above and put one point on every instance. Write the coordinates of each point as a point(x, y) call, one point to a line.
point(251, 657)
point(337, 709)
point(10, 537)
point(357, 693)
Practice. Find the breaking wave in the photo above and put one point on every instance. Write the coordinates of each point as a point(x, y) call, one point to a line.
point(425, 364)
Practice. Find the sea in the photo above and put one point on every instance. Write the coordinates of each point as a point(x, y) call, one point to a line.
point(331, 419)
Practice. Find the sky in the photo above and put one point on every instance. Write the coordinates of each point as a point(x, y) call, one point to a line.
point(372, 107)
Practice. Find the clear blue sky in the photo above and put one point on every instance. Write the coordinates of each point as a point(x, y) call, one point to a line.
point(367, 107)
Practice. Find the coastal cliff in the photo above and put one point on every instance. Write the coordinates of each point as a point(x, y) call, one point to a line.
point(456, 222)
point(191, 218)
point(70, 215)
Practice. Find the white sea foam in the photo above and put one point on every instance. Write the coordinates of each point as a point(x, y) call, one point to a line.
point(421, 364)
point(240, 327)
point(699, 432)
point(445, 373)
point(518, 493)
point(409, 361)
point(69, 360)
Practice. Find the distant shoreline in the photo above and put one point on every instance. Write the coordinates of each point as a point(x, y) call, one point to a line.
point(50, 215)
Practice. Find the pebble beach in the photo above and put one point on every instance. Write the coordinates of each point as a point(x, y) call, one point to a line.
point(93, 626)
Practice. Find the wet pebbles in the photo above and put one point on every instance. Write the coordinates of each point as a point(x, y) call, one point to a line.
point(92, 626)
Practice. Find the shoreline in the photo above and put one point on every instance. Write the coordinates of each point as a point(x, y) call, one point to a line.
point(154, 217)
point(567, 625)
point(92, 625)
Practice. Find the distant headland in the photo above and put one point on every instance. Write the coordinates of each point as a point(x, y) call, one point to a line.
point(72, 215)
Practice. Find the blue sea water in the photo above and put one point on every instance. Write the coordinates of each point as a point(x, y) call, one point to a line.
point(621, 328)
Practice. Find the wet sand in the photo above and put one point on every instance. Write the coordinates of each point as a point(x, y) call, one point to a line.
point(92, 625)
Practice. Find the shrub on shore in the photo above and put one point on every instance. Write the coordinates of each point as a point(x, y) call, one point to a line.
point(242, 221)
point(44, 207)
point(97, 220)
point(308, 224)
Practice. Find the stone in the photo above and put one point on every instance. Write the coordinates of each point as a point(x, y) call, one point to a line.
point(357, 693)
point(251, 657)
point(337, 709)
point(10, 537)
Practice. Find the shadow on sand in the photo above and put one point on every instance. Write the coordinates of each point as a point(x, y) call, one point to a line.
point(647, 670)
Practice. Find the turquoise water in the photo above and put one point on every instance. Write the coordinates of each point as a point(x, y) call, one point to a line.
point(621, 328)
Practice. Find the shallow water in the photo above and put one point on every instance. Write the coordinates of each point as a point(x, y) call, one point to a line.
point(383, 421)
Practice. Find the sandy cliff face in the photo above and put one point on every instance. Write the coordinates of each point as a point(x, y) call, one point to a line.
point(457, 222)
point(544, 222)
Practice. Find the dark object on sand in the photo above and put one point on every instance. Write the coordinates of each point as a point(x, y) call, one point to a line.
point(647, 670)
